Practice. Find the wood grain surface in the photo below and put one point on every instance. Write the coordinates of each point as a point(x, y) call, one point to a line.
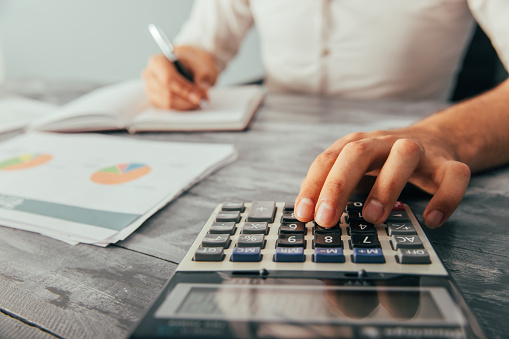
point(51, 289)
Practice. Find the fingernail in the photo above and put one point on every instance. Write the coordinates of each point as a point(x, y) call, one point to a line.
point(305, 209)
point(325, 215)
point(194, 98)
point(373, 210)
point(204, 84)
point(434, 219)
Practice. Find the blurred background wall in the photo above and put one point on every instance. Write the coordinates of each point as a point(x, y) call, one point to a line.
point(98, 40)
point(107, 41)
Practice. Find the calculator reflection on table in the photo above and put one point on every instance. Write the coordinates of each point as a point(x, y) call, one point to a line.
point(255, 271)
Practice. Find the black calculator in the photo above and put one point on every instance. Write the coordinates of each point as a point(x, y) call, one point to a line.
point(255, 271)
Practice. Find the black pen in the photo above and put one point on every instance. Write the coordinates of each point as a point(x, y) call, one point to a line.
point(167, 48)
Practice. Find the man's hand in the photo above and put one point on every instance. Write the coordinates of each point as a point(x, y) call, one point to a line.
point(436, 154)
point(167, 88)
point(418, 154)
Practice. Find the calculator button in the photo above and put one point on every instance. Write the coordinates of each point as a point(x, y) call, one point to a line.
point(328, 240)
point(331, 255)
point(216, 240)
point(365, 240)
point(368, 256)
point(251, 240)
point(233, 206)
point(289, 254)
point(209, 254)
point(246, 254)
point(293, 228)
point(398, 216)
point(289, 217)
point(262, 211)
point(291, 240)
point(398, 206)
point(406, 241)
point(228, 216)
point(354, 206)
point(413, 256)
point(355, 215)
point(400, 228)
point(222, 228)
point(255, 228)
point(357, 227)
point(289, 207)
point(319, 229)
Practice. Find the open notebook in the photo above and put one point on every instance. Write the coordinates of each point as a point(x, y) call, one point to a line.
point(125, 106)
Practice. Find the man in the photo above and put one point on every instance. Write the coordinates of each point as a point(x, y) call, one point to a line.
point(360, 49)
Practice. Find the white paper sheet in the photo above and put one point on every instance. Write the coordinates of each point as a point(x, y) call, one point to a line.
point(93, 188)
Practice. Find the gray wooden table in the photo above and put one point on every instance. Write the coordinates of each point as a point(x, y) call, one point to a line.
point(50, 289)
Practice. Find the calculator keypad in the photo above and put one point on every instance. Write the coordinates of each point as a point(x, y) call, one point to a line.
point(268, 234)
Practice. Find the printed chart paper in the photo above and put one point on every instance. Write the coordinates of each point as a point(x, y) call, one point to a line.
point(93, 188)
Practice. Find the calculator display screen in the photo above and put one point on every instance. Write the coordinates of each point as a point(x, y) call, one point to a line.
point(310, 304)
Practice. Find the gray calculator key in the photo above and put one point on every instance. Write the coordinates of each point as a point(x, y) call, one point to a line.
point(262, 211)
point(222, 228)
point(360, 227)
point(328, 240)
point(413, 256)
point(291, 240)
point(251, 240)
point(364, 240)
point(400, 228)
point(398, 216)
point(354, 206)
point(320, 229)
point(209, 254)
point(289, 207)
point(293, 228)
point(406, 241)
point(355, 215)
point(255, 228)
point(216, 240)
point(289, 217)
point(228, 216)
point(233, 206)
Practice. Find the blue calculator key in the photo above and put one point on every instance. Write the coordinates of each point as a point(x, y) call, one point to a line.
point(334, 255)
point(368, 256)
point(246, 254)
point(289, 254)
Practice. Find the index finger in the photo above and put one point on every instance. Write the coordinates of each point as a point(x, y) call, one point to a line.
point(353, 162)
point(315, 178)
point(330, 182)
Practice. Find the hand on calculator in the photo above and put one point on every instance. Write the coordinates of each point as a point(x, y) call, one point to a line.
point(415, 154)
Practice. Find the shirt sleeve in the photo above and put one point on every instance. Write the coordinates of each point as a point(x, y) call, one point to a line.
point(493, 17)
point(217, 26)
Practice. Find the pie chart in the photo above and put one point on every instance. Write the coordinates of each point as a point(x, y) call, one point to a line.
point(119, 174)
point(24, 161)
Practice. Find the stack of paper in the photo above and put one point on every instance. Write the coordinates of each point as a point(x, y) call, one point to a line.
point(93, 188)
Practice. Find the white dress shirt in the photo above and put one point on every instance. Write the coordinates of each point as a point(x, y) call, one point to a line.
point(405, 49)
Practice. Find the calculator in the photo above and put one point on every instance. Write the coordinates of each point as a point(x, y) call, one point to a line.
point(256, 271)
